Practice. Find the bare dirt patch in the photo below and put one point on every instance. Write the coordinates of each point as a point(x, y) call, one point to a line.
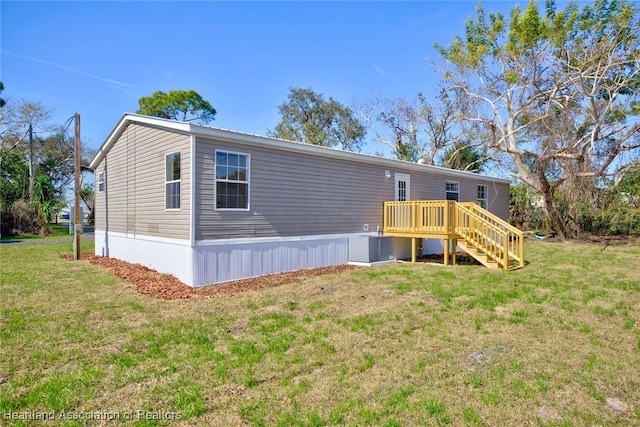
point(168, 287)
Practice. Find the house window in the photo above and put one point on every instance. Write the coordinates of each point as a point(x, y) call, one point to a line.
point(452, 191)
point(101, 182)
point(172, 181)
point(482, 196)
point(403, 187)
point(402, 191)
point(232, 180)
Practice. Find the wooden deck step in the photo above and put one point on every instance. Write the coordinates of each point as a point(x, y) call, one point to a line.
point(478, 255)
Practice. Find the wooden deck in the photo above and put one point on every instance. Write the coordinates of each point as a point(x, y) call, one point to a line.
point(486, 237)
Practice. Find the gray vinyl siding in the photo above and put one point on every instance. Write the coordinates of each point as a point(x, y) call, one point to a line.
point(298, 194)
point(134, 197)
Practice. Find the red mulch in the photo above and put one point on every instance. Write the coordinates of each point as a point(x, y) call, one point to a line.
point(168, 287)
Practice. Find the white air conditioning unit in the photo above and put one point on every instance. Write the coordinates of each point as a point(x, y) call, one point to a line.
point(370, 248)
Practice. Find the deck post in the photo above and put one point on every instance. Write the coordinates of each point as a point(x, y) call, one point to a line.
point(446, 217)
point(521, 250)
point(455, 244)
point(413, 249)
point(505, 245)
point(446, 252)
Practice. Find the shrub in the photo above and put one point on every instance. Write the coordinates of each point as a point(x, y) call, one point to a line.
point(25, 218)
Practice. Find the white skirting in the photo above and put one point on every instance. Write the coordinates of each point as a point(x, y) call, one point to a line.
point(223, 261)
point(170, 256)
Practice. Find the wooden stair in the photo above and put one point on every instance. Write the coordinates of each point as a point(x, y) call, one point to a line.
point(487, 238)
point(478, 255)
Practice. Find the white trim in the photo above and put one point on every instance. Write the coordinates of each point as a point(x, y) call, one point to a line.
point(100, 181)
point(179, 181)
point(134, 118)
point(247, 240)
point(169, 240)
point(215, 181)
point(192, 191)
point(447, 191)
point(396, 193)
point(373, 264)
point(485, 199)
point(252, 139)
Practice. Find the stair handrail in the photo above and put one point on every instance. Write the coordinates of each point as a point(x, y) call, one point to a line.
point(479, 210)
point(512, 239)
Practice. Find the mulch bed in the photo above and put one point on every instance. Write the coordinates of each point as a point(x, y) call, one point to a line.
point(168, 287)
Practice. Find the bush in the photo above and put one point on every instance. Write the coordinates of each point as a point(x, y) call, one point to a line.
point(25, 218)
point(524, 213)
point(6, 222)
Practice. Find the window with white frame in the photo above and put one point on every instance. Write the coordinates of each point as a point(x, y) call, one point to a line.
point(482, 196)
point(232, 180)
point(172, 181)
point(452, 191)
point(402, 191)
point(101, 182)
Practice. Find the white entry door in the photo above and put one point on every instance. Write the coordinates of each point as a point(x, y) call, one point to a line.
point(403, 187)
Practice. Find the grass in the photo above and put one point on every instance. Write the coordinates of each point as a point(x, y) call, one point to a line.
point(58, 231)
point(552, 344)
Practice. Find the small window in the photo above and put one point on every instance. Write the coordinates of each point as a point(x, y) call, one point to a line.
point(482, 196)
point(403, 187)
point(402, 191)
point(101, 182)
point(172, 181)
point(232, 180)
point(452, 192)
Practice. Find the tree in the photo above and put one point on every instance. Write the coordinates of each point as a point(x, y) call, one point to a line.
point(558, 93)
point(463, 156)
point(307, 117)
point(414, 129)
point(183, 105)
point(14, 177)
point(26, 136)
point(88, 196)
point(17, 117)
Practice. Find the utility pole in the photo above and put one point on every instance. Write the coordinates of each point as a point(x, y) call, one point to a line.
point(77, 216)
point(32, 178)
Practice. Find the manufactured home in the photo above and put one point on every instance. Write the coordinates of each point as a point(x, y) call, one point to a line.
point(210, 205)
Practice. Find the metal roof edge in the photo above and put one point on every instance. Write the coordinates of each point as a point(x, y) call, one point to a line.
point(253, 139)
point(282, 144)
point(124, 121)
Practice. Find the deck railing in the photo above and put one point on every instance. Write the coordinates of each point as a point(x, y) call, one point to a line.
point(486, 233)
point(419, 217)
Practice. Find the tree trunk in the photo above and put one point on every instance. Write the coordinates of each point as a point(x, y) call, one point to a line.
point(557, 224)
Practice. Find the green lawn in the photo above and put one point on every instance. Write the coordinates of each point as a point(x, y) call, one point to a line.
point(58, 231)
point(556, 343)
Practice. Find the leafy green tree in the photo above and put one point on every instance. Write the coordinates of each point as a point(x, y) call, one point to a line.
point(308, 117)
point(556, 91)
point(464, 156)
point(406, 152)
point(88, 196)
point(14, 177)
point(183, 105)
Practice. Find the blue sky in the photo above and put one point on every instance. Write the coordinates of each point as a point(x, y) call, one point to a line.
point(99, 58)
